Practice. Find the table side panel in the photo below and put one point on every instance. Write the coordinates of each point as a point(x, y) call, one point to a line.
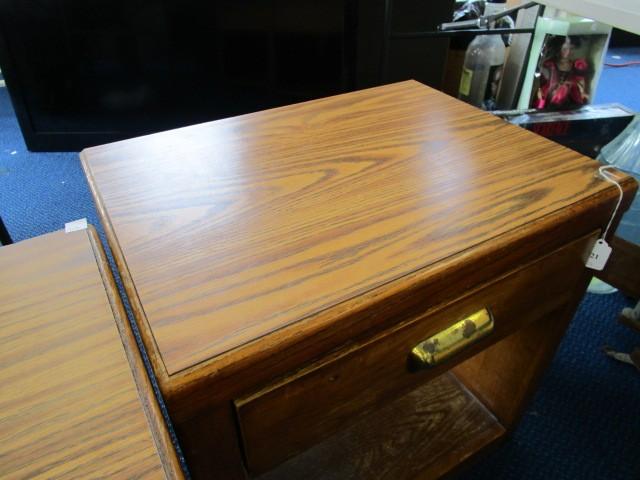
point(164, 443)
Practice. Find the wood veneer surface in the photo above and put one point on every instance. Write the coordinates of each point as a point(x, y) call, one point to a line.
point(233, 229)
point(69, 404)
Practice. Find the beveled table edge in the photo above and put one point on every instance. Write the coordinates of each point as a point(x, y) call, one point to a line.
point(159, 431)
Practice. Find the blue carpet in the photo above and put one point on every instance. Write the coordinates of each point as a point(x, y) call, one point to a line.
point(621, 85)
point(39, 192)
point(584, 421)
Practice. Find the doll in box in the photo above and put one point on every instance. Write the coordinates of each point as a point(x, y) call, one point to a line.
point(562, 77)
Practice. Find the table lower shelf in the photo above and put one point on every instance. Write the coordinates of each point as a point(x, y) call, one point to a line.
point(422, 435)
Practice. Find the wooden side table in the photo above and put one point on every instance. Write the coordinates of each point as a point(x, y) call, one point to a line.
point(363, 286)
point(74, 403)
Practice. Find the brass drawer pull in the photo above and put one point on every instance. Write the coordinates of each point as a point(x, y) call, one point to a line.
point(450, 341)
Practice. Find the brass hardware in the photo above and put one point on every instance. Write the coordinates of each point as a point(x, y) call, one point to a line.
point(448, 342)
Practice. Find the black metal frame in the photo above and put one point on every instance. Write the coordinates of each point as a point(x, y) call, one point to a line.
point(391, 35)
point(454, 33)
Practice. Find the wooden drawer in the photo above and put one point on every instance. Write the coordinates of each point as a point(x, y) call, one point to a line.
point(294, 413)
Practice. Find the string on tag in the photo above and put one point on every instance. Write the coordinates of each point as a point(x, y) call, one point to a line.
point(601, 250)
point(609, 178)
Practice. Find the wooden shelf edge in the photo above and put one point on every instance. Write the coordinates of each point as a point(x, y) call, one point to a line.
point(424, 435)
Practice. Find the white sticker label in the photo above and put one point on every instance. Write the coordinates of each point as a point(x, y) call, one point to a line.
point(599, 255)
point(75, 225)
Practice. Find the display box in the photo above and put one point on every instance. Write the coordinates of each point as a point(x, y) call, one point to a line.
point(565, 63)
point(585, 130)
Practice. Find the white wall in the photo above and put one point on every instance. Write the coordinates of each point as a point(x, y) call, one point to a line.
point(624, 14)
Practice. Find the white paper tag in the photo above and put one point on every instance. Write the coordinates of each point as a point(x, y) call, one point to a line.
point(75, 225)
point(599, 255)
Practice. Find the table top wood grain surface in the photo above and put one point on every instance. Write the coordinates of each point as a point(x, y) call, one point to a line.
point(73, 403)
point(231, 230)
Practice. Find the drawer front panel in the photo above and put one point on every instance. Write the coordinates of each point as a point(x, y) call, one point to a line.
point(294, 413)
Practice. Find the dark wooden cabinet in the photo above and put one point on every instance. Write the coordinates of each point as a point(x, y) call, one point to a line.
point(85, 73)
